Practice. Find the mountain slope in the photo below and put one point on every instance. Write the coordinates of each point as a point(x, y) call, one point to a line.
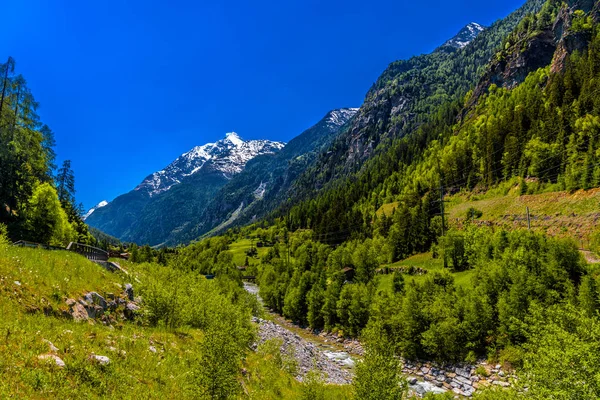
point(91, 210)
point(407, 94)
point(465, 36)
point(166, 200)
point(228, 156)
point(541, 124)
point(264, 184)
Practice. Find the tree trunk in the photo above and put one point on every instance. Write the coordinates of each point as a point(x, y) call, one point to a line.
point(12, 132)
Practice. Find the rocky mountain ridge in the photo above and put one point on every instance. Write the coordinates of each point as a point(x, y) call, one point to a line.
point(228, 156)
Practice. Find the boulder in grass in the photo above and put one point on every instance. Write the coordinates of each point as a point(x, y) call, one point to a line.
point(77, 310)
point(129, 291)
point(52, 358)
point(96, 299)
point(102, 360)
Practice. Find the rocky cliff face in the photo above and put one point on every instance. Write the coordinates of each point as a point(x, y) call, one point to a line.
point(536, 44)
point(228, 156)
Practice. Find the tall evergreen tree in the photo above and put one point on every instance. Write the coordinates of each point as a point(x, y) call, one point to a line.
point(65, 184)
point(6, 70)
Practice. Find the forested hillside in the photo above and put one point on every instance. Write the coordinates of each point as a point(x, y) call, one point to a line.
point(407, 95)
point(543, 129)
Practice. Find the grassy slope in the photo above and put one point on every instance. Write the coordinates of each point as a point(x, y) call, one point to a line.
point(562, 214)
point(557, 213)
point(47, 279)
point(427, 262)
point(239, 248)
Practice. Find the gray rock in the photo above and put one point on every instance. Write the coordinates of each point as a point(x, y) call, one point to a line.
point(102, 360)
point(97, 299)
point(129, 291)
point(131, 310)
point(412, 381)
point(53, 358)
point(463, 381)
point(94, 311)
point(78, 312)
point(52, 347)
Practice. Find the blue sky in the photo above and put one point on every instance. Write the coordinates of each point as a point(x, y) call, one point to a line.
point(127, 86)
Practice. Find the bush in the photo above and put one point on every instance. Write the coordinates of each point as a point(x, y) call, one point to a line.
point(473, 213)
point(46, 222)
point(378, 375)
point(453, 245)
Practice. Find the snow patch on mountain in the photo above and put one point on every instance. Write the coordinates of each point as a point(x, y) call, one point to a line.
point(465, 36)
point(337, 118)
point(228, 156)
point(259, 193)
point(97, 206)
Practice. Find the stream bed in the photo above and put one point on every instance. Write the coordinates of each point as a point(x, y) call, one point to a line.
point(315, 351)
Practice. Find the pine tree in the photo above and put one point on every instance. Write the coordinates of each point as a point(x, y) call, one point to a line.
point(6, 70)
point(65, 184)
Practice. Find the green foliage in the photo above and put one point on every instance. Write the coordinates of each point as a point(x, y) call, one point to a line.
point(4, 242)
point(46, 221)
point(453, 245)
point(378, 375)
point(473, 213)
point(26, 167)
point(563, 355)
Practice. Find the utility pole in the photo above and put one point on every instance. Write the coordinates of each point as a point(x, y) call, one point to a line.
point(443, 209)
point(528, 219)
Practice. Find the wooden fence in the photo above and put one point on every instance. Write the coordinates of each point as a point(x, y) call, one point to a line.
point(90, 252)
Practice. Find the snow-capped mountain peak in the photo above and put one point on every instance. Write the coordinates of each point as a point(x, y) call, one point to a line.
point(234, 138)
point(97, 206)
point(465, 36)
point(227, 156)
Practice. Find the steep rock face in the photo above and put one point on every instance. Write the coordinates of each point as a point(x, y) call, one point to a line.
point(529, 49)
point(166, 200)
